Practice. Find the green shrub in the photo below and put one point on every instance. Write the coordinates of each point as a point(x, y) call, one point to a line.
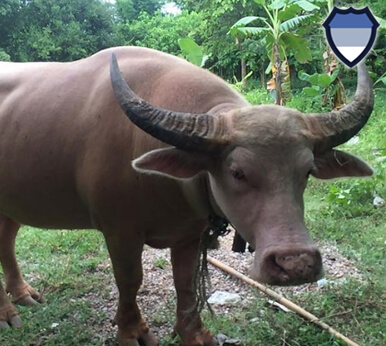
point(258, 97)
point(4, 56)
point(354, 197)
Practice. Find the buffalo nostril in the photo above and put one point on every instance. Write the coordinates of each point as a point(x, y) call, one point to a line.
point(300, 267)
point(309, 259)
point(289, 266)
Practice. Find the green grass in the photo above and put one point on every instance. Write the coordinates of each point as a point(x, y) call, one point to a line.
point(258, 97)
point(69, 267)
point(62, 264)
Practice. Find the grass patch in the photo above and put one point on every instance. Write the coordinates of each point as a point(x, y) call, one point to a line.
point(62, 264)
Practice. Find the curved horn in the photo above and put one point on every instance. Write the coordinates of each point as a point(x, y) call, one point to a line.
point(192, 132)
point(338, 127)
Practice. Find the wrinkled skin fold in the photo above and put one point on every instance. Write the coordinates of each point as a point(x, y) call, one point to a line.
point(145, 156)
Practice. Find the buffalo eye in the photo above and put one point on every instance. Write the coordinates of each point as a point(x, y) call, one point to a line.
point(237, 174)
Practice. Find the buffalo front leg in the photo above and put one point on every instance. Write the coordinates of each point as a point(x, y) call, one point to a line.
point(22, 293)
point(125, 254)
point(189, 326)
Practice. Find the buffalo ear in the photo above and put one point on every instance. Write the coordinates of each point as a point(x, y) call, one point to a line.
point(336, 163)
point(172, 162)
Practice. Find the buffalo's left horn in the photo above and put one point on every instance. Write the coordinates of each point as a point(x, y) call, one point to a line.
point(192, 132)
point(337, 127)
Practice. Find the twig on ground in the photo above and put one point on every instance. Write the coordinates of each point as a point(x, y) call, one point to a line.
point(337, 314)
point(285, 343)
point(279, 298)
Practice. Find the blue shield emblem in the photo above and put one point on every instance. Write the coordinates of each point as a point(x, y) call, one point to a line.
point(351, 33)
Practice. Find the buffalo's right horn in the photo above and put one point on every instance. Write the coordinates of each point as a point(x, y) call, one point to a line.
point(192, 132)
point(337, 127)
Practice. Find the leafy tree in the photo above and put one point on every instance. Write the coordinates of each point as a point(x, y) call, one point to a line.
point(162, 31)
point(224, 55)
point(4, 56)
point(64, 30)
point(282, 17)
point(129, 10)
point(60, 30)
point(8, 17)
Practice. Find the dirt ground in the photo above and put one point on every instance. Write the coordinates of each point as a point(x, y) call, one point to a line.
point(157, 291)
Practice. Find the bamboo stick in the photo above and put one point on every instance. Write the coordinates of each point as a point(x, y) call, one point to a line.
point(280, 299)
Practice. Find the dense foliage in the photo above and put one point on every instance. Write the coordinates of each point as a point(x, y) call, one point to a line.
point(64, 30)
point(55, 30)
point(162, 32)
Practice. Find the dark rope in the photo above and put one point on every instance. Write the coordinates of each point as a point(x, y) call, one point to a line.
point(201, 282)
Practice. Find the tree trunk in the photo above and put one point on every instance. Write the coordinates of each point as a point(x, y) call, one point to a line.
point(243, 66)
point(243, 73)
point(262, 76)
point(277, 73)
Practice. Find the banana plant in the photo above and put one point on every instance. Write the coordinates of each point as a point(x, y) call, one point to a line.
point(193, 52)
point(282, 17)
point(326, 88)
point(336, 95)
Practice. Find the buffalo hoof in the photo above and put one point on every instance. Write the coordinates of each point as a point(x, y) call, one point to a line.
point(200, 338)
point(9, 317)
point(26, 295)
point(14, 322)
point(145, 339)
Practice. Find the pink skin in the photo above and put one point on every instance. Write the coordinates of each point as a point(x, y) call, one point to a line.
point(267, 210)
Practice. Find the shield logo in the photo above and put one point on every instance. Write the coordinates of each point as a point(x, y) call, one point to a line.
point(351, 33)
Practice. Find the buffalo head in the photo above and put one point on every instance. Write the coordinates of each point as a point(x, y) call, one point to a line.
point(258, 160)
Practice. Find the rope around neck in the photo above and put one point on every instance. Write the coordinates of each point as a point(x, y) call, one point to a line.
point(216, 227)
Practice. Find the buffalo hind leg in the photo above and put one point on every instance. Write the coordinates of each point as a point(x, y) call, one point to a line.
point(22, 293)
point(189, 326)
point(125, 253)
point(239, 244)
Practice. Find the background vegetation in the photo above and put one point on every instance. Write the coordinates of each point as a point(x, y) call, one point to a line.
point(64, 30)
point(340, 212)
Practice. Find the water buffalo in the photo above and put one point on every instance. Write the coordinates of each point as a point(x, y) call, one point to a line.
point(70, 158)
